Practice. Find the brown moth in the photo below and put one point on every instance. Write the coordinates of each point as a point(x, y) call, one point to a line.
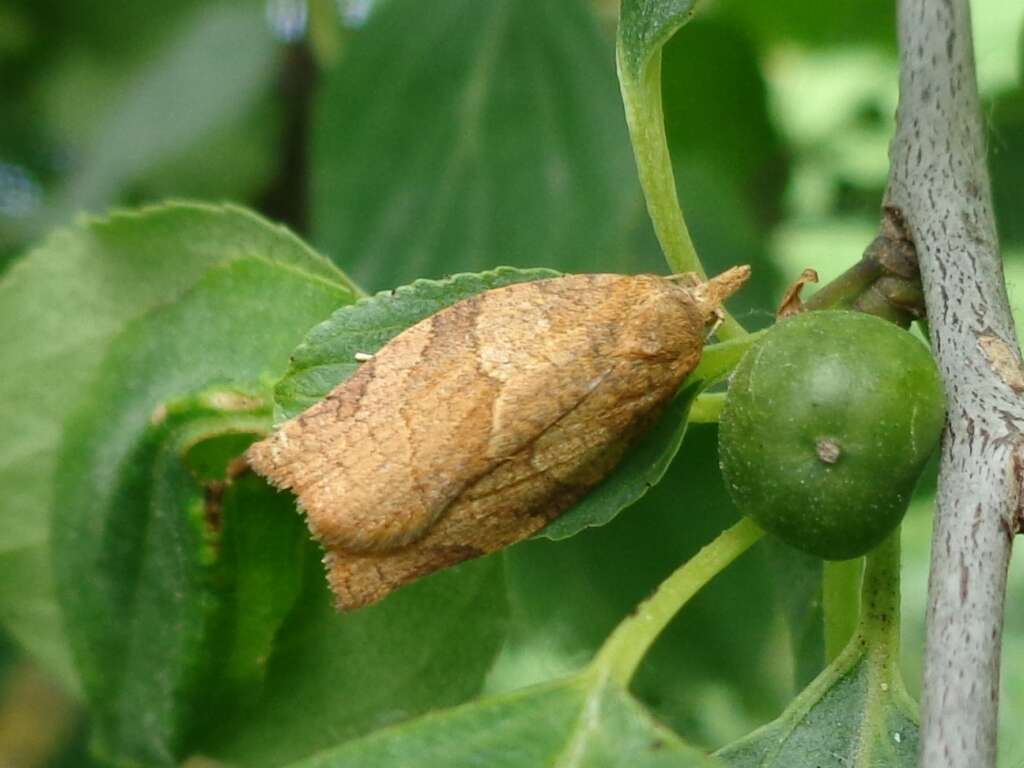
point(477, 426)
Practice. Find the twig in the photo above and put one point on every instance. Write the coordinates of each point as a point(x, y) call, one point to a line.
point(939, 193)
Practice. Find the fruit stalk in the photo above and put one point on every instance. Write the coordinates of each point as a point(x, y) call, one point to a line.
point(939, 193)
point(885, 282)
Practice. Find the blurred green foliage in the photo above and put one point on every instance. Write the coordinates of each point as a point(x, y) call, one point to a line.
point(470, 136)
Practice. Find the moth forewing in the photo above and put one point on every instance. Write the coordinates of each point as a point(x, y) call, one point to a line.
point(474, 428)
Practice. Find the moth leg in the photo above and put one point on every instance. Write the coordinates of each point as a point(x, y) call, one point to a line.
point(719, 318)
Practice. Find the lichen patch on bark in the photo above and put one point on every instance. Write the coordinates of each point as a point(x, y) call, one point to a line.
point(1002, 359)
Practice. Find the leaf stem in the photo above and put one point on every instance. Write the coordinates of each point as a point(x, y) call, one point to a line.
point(623, 651)
point(880, 596)
point(719, 359)
point(840, 595)
point(645, 117)
point(707, 408)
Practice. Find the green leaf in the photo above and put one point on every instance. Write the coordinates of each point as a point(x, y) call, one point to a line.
point(473, 134)
point(857, 713)
point(595, 729)
point(579, 721)
point(157, 551)
point(430, 645)
point(587, 719)
point(641, 469)
point(336, 676)
point(235, 160)
point(720, 643)
point(849, 718)
point(61, 305)
point(645, 26)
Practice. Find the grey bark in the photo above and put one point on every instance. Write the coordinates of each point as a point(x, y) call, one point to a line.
point(939, 194)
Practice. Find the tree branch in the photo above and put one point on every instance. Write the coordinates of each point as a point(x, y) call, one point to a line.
point(939, 193)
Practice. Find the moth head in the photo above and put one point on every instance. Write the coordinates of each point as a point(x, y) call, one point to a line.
point(669, 317)
point(663, 324)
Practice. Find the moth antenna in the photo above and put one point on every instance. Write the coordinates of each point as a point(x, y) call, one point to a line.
point(719, 317)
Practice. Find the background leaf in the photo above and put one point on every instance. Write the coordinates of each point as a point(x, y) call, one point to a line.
point(870, 22)
point(856, 713)
point(1006, 151)
point(334, 677)
point(851, 717)
point(123, 107)
point(797, 577)
point(580, 721)
point(174, 102)
point(61, 306)
point(565, 597)
point(146, 551)
point(517, 154)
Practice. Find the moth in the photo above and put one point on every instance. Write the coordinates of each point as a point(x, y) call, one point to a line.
point(474, 428)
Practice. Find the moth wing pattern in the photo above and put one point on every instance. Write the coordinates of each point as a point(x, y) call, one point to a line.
point(474, 428)
point(434, 410)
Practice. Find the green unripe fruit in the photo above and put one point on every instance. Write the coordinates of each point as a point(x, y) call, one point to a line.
point(828, 423)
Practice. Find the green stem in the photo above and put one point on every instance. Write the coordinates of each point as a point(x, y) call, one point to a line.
point(646, 120)
point(840, 595)
point(645, 117)
point(880, 596)
point(844, 291)
point(717, 360)
point(707, 408)
point(879, 628)
point(622, 652)
point(325, 34)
